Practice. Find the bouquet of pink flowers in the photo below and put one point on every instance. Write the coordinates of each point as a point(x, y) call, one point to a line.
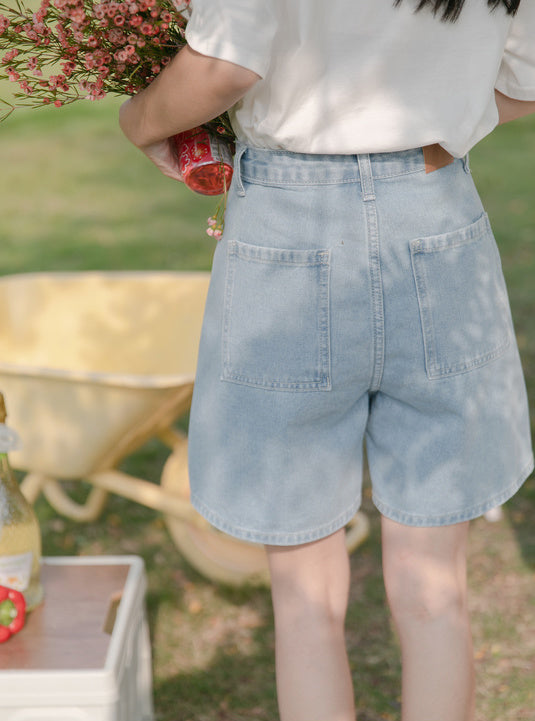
point(69, 50)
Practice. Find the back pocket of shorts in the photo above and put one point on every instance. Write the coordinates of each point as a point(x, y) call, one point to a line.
point(276, 318)
point(463, 302)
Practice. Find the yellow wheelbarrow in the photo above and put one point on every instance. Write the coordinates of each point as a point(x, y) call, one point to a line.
point(92, 366)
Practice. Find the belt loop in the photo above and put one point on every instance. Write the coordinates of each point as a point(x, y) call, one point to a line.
point(366, 177)
point(466, 163)
point(240, 190)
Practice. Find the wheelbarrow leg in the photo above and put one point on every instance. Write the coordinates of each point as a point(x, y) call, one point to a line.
point(32, 486)
point(35, 483)
point(82, 512)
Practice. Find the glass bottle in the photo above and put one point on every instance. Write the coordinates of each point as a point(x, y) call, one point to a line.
point(205, 161)
point(20, 535)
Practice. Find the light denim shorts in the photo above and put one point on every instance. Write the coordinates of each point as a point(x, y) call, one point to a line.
point(354, 300)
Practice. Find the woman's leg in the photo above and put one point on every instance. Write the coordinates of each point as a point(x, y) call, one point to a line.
point(425, 580)
point(310, 587)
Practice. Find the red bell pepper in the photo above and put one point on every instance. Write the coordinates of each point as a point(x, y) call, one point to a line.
point(12, 612)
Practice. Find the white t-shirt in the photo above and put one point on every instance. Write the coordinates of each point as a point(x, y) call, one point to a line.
point(363, 76)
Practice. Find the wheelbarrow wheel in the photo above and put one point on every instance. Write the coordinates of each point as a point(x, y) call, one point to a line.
point(217, 555)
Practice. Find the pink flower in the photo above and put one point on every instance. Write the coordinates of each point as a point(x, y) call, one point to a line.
point(10, 55)
point(4, 24)
point(40, 15)
point(68, 68)
point(111, 9)
point(77, 15)
point(214, 232)
point(116, 36)
point(58, 103)
point(98, 58)
point(30, 32)
point(26, 87)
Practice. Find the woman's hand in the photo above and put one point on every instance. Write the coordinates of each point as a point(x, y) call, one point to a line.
point(163, 153)
point(511, 109)
point(190, 91)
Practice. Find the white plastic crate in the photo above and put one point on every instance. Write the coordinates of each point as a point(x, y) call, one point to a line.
point(64, 665)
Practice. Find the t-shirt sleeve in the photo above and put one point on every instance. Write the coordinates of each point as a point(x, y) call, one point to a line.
point(516, 77)
point(239, 31)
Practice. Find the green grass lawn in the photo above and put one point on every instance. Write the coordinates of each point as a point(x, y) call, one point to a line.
point(74, 195)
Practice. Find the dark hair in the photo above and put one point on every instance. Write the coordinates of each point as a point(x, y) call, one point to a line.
point(451, 9)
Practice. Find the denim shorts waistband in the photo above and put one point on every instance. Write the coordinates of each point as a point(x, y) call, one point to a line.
point(262, 165)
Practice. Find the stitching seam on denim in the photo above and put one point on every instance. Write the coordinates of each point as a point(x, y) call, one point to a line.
point(268, 537)
point(379, 176)
point(461, 514)
point(271, 182)
point(374, 264)
point(319, 259)
point(437, 370)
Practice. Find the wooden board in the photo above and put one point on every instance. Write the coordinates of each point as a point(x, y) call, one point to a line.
point(70, 629)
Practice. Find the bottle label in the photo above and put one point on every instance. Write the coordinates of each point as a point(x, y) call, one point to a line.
point(197, 149)
point(194, 149)
point(15, 571)
point(220, 150)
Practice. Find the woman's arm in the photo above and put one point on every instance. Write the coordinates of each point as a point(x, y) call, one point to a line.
point(510, 109)
point(192, 89)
